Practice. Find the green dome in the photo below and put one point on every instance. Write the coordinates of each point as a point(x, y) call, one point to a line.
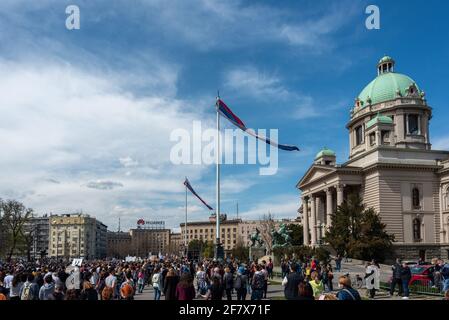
point(386, 59)
point(379, 119)
point(325, 152)
point(386, 86)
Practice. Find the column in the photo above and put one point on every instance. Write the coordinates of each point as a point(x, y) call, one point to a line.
point(305, 221)
point(313, 219)
point(329, 207)
point(318, 213)
point(339, 194)
point(442, 222)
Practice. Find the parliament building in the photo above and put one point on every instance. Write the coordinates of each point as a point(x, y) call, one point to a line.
point(391, 165)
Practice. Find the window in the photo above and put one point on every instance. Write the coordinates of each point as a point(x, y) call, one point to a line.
point(372, 139)
point(359, 135)
point(415, 198)
point(385, 137)
point(416, 229)
point(413, 124)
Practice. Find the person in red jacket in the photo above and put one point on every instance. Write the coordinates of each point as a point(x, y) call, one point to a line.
point(185, 290)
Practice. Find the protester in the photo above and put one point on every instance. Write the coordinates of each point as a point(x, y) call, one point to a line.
point(406, 276)
point(185, 290)
point(170, 283)
point(316, 284)
point(141, 280)
point(58, 294)
point(396, 278)
point(29, 290)
point(46, 291)
point(216, 289)
point(305, 292)
point(291, 283)
point(16, 285)
point(228, 282)
point(241, 284)
point(201, 280)
point(71, 294)
point(346, 291)
point(156, 282)
point(126, 291)
point(88, 292)
point(107, 293)
point(372, 278)
point(257, 284)
point(445, 276)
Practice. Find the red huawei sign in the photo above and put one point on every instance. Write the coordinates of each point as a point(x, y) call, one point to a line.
point(140, 222)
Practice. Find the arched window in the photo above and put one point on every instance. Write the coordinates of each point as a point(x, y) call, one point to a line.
point(416, 229)
point(415, 198)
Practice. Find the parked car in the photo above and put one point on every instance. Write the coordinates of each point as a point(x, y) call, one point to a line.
point(422, 274)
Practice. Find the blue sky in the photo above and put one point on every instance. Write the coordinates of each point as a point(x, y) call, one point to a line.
point(87, 114)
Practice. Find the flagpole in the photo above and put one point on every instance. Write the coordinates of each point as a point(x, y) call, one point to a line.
point(217, 188)
point(185, 228)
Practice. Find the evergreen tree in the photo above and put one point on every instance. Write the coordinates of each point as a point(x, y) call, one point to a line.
point(358, 232)
point(296, 234)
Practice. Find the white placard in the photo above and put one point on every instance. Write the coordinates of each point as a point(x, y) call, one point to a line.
point(77, 262)
point(130, 259)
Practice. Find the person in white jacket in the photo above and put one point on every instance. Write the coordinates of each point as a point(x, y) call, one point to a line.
point(156, 281)
point(372, 278)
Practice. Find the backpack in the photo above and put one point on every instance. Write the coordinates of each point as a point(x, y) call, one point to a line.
point(258, 282)
point(238, 282)
point(26, 292)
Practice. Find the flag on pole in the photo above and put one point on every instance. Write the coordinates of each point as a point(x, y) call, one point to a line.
point(228, 114)
point(188, 186)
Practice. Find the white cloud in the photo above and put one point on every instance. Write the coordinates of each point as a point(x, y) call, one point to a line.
point(210, 24)
point(72, 125)
point(250, 81)
point(255, 83)
point(279, 206)
point(103, 185)
point(128, 162)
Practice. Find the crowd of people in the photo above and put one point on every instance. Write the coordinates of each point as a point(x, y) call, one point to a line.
point(312, 280)
point(174, 278)
point(171, 278)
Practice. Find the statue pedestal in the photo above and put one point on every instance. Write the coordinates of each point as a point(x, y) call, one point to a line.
point(256, 252)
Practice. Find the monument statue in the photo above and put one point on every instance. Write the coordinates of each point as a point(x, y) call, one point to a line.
point(256, 240)
point(281, 237)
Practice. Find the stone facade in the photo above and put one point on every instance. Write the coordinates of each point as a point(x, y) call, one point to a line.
point(391, 164)
point(76, 236)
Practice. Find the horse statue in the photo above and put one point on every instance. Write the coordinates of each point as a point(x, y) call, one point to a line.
point(255, 239)
point(281, 237)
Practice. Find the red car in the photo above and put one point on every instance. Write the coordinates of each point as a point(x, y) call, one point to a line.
point(421, 274)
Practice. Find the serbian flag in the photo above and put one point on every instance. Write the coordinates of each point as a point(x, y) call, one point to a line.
point(188, 186)
point(228, 114)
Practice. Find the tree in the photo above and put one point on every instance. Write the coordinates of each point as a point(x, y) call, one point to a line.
point(358, 232)
point(296, 234)
point(208, 250)
point(267, 225)
point(15, 216)
point(240, 252)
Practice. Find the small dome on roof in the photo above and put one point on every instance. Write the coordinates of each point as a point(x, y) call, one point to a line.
point(386, 59)
point(379, 119)
point(325, 152)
